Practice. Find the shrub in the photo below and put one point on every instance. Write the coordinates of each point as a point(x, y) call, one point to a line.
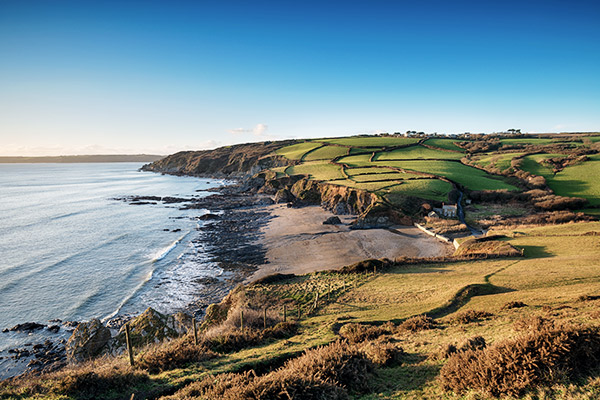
point(323, 373)
point(513, 304)
point(383, 352)
point(356, 333)
point(236, 339)
point(418, 323)
point(468, 316)
point(98, 379)
point(532, 324)
point(175, 354)
point(338, 362)
point(514, 366)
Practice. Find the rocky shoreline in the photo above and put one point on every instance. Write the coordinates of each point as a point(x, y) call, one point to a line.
point(229, 238)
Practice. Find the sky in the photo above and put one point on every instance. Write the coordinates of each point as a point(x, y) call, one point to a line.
point(107, 77)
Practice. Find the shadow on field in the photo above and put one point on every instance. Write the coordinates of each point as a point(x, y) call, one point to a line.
point(535, 252)
point(411, 375)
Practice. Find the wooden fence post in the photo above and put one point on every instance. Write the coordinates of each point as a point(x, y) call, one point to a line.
point(241, 319)
point(129, 347)
point(284, 313)
point(195, 332)
point(265, 318)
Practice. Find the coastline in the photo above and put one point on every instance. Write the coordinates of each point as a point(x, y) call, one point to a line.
point(249, 237)
point(297, 242)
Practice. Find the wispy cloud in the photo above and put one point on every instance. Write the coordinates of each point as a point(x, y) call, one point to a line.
point(259, 130)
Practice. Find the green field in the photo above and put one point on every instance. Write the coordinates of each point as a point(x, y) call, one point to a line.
point(472, 178)
point(380, 177)
point(431, 189)
point(582, 180)
point(500, 161)
point(522, 141)
point(370, 186)
point(416, 153)
point(325, 153)
point(321, 171)
point(448, 144)
point(369, 170)
point(297, 151)
point(372, 141)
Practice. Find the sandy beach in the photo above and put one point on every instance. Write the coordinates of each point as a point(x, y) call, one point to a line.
point(296, 241)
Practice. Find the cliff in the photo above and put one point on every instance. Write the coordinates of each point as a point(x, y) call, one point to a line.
point(236, 161)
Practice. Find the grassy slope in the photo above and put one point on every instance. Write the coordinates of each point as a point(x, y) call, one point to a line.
point(447, 144)
point(575, 181)
point(372, 141)
point(417, 152)
point(559, 266)
point(297, 151)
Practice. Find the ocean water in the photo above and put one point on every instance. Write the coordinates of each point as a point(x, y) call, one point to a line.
point(69, 250)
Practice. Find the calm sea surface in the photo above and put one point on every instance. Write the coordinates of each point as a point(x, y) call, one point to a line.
point(68, 250)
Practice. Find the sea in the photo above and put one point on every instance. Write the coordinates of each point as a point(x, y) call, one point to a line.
point(71, 249)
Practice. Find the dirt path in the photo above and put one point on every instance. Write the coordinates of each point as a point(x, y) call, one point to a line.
point(297, 242)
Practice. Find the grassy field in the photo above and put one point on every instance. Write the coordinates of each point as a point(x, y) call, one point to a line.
point(325, 153)
point(500, 161)
point(448, 144)
point(430, 189)
point(416, 153)
point(582, 180)
point(372, 141)
point(360, 154)
point(469, 177)
point(317, 170)
point(297, 151)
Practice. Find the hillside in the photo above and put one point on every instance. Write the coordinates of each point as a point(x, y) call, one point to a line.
point(542, 177)
point(480, 308)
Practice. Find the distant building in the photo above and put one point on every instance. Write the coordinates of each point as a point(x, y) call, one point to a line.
point(449, 210)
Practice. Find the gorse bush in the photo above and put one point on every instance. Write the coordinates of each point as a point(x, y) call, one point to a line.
point(512, 367)
point(325, 373)
point(418, 323)
point(174, 354)
point(356, 333)
point(468, 316)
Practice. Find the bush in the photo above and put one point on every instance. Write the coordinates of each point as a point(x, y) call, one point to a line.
point(324, 373)
point(98, 379)
point(236, 339)
point(468, 316)
point(418, 323)
point(356, 333)
point(175, 354)
point(513, 304)
point(383, 352)
point(514, 366)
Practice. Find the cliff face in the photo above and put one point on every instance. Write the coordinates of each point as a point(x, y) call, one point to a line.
point(237, 161)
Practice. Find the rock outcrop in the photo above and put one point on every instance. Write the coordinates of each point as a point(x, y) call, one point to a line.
point(149, 327)
point(87, 341)
point(239, 161)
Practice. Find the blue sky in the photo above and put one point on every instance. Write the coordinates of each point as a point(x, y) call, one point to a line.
point(108, 77)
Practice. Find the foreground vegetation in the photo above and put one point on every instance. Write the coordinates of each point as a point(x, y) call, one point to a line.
point(520, 327)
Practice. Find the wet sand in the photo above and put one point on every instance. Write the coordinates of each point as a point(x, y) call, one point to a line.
point(296, 241)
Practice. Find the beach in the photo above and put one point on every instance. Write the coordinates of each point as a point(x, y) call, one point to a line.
point(296, 241)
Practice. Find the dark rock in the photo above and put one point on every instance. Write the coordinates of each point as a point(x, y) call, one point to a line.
point(27, 327)
point(284, 196)
point(38, 346)
point(166, 230)
point(5, 330)
point(209, 216)
point(176, 230)
point(332, 221)
point(149, 327)
point(87, 341)
point(54, 328)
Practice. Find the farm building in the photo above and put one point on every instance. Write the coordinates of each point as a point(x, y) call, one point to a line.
point(449, 210)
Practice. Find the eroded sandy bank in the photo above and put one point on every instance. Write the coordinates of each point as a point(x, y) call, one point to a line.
point(296, 241)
